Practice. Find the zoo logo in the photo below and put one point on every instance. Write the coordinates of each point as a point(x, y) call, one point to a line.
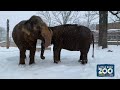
point(105, 70)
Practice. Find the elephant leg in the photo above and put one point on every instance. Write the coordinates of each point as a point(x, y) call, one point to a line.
point(42, 50)
point(59, 54)
point(84, 55)
point(22, 56)
point(32, 55)
point(81, 57)
point(56, 52)
point(85, 60)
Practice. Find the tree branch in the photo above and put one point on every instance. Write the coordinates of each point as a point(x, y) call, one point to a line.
point(115, 13)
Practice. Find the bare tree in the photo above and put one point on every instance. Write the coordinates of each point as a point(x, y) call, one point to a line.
point(116, 14)
point(60, 17)
point(64, 17)
point(100, 29)
point(90, 16)
point(105, 26)
point(103, 21)
point(46, 16)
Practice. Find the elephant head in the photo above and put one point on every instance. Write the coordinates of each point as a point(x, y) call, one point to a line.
point(26, 33)
point(37, 28)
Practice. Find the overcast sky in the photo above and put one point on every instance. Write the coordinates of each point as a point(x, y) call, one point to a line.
point(14, 17)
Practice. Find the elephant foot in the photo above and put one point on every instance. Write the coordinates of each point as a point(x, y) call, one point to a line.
point(31, 62)
point(22, 62)
point(79, 60)
point(57, 61)
point(84, 61)
point(42, 57)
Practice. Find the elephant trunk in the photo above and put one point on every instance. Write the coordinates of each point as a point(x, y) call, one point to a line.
point(47, 35)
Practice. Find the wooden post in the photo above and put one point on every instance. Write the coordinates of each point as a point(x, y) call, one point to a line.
point(117, 39)
point(7, 42)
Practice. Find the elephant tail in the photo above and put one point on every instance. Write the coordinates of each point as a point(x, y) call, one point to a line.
point(93, 45)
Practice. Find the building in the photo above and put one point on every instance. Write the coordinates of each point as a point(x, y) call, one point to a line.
point(113, 36)
point(115, 25)
point(2, 34)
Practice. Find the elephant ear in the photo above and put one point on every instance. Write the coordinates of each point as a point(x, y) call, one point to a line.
point(36, 21)
point(26, 31)
point(28, 27)
point(27, 35)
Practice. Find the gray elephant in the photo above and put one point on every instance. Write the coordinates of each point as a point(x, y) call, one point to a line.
point(25, 35)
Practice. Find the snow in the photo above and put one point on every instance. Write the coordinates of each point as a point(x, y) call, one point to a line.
point(68, 68)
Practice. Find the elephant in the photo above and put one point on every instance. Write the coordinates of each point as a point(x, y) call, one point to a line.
point(25, 35)
point(71, 37)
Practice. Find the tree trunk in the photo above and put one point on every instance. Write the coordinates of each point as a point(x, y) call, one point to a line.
point(8, 42)
point(100, 28)
point(103, 21)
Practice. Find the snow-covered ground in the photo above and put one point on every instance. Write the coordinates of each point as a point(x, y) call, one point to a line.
point(69, 68)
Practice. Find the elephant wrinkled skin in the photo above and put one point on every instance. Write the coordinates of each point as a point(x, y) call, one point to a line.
point(25, 35)
point(71, 37)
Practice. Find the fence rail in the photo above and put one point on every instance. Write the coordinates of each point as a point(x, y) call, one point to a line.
point(111, 42)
